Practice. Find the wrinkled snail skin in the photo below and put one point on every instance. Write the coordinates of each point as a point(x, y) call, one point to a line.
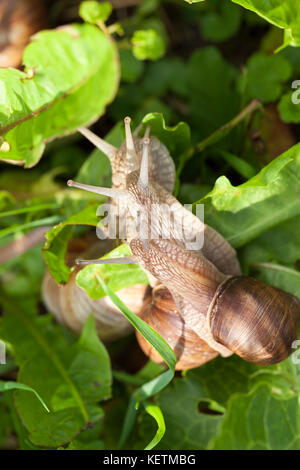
point(201, 305)
point(191, 279)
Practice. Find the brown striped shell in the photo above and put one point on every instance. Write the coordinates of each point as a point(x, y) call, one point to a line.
point(254, 320)
point(162, 315)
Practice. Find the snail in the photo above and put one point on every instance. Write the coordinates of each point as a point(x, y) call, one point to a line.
point(201, 304)
point(19, 19)
point(72, 306)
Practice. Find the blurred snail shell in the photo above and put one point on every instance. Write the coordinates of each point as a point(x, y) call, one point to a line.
point(72, 306)
point(214, 309)
point(19, 19)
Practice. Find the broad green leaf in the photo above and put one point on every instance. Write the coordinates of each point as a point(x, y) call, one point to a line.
point(55, 247)
point(212, 102)
point(6, 386)
point(71, 378)
point(116, 276)
point(196, 405)
point(289, 107)
point(281, 276)
point(281, 243)
point(260, 420)
point(282, 13)
point(70, 76)
point(93, 11)
point(243, 212)
point(88, 439)
point(168, 74)
point(148, 44)
point(177, 139)
point(131, 68)
point(264, 76)
point(221, 21)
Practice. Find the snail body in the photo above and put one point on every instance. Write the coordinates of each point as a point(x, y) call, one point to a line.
point(201, 304)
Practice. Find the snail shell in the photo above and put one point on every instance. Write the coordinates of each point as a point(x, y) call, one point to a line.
point(243, 315)
point(254, 320)
point(71, 305)
point(162, 315)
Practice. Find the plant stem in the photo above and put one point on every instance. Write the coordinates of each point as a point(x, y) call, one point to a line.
point(217, 135)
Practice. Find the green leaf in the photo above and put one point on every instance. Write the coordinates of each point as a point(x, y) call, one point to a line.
point(242, 167)
point(155, 412)
point(159, 344)
point(72, 378)
point(55, 247)
point(197, 405)
point(221, 21)
point(265, 75)
point(177, 138)
point(282, 13)
point(6, 199)
point(243, 212)
point(168, 74)
point(93, 12)
point(145, 330)
point(6, 424)
point(5, 386)
point(260, 420)
point(70, 76)
point(280, 276)
point(289, 109)
point(212, 103)
point(148, 44)
point(281, 244)
point(131, 68)
point(88, 439)
point(116, 276)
